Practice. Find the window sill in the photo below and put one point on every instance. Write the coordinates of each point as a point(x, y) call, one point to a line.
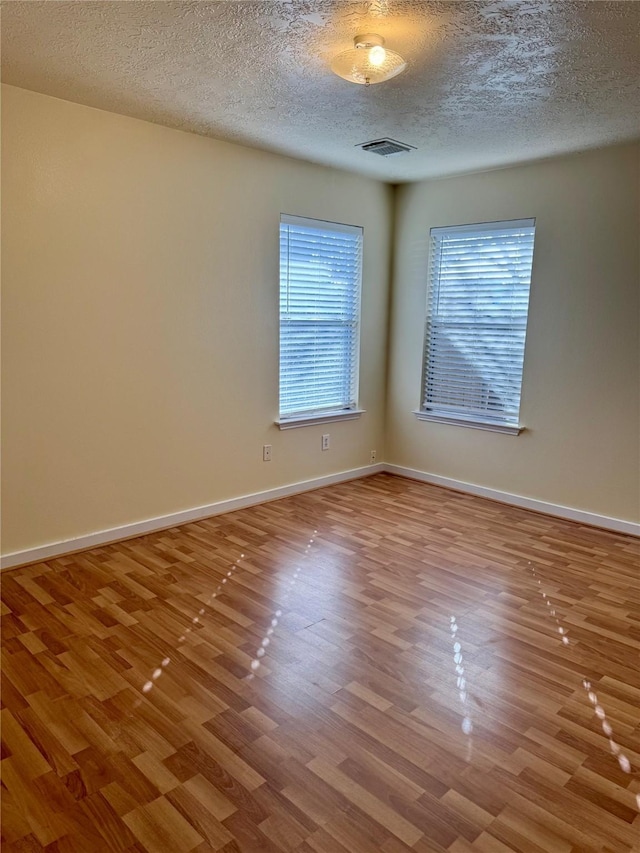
point(463, 422)
point(319, 418)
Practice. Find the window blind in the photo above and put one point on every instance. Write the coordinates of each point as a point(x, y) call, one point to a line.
point(320, 282)
point(478, 299)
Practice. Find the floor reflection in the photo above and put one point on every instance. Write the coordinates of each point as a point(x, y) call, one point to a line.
point(157, 672)
point(616, 751)
point(289, 586)
point(461, 683)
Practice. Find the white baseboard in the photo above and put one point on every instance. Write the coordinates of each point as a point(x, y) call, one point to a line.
point(151, 525)
point(590, 518)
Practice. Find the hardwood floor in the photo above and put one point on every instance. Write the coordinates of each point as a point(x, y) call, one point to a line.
point(380, 665)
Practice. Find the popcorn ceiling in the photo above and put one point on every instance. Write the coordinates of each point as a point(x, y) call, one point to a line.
point(488, 83)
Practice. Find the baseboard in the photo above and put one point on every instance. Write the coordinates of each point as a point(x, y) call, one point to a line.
point(151, 525)
point(590, 518)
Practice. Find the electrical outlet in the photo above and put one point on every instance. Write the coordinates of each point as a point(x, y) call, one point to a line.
point(373, 457)
point(266, 453)
point(325, 441)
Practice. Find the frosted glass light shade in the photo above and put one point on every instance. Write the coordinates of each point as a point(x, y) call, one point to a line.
point(368, 62)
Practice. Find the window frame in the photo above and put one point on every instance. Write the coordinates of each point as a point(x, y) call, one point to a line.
point(472, 419)
point(329, 414)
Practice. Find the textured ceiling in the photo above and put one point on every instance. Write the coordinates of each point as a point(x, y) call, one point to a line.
point(488, 83)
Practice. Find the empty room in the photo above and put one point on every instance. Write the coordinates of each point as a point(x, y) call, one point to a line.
point(320, 426)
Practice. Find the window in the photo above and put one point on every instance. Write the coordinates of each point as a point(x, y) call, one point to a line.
point(478, 298)
point(320, 278)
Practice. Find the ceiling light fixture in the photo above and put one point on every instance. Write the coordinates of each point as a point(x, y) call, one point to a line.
point(368, 61)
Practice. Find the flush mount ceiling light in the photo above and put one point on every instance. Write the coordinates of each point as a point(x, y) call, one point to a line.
point(368, 61)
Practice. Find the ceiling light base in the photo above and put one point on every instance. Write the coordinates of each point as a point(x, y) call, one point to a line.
point(368, 40)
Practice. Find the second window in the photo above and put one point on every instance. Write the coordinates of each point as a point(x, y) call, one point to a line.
point(478, 298)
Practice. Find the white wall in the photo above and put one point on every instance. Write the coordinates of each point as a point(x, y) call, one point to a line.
point(581, 384)
point(140, 313)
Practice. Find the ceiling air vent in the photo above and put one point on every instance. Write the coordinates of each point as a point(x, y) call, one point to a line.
point(386, 147)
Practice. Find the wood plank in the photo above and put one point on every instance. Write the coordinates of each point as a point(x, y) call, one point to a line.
point(378, 665)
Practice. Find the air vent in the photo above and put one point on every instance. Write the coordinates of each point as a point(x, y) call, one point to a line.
point(386, 147)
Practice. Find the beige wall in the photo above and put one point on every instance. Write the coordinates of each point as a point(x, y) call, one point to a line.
point(140, 313)
point(140, 325)
point(580, 399)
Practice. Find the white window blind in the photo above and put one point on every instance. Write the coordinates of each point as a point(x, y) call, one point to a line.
point(478, 299)
point(320, 279)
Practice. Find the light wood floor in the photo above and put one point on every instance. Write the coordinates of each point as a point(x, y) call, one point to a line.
point(376, 666)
